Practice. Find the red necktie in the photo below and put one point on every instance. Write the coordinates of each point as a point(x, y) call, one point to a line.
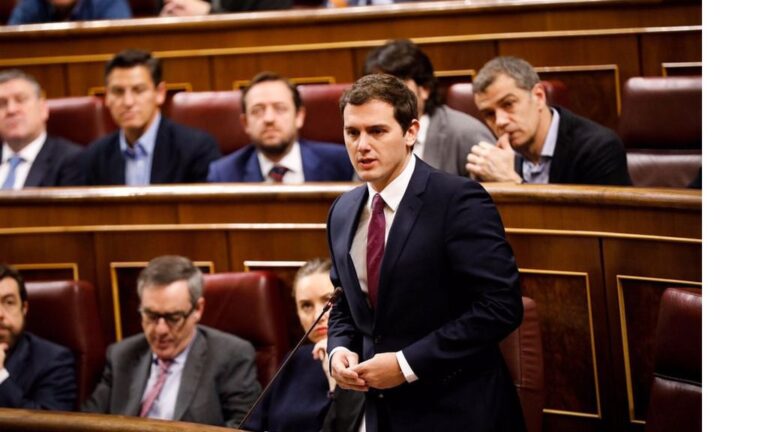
point(165, 367)
point(277, 172)
point(375, 249)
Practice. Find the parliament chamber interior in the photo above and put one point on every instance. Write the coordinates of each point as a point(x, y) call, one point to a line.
point(610, 276)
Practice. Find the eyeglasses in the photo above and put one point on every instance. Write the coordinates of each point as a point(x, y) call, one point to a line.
point(172, 319)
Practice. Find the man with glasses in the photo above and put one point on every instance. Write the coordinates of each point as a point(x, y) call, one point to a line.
point(34, 373)
point(178, 369)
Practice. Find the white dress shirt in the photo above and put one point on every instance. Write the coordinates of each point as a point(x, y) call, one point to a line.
point(28, 154)
point(165, 403)
point(292, 161)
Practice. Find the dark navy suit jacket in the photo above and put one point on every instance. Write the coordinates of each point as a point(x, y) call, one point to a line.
point(42, 376)
point(449, 292)
point(57, 164)
point(586, 153)
point(182, 155)
point(321, 162)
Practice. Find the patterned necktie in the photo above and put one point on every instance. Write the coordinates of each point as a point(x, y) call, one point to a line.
point(165, 367)
point(277, 172)
point(10, 180)
point(375, 248)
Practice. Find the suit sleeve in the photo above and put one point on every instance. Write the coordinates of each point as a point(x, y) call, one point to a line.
point(239, 387)
point(214, 174)
point(55, 388)
point(101, 396)
point(606, 163)
point(207, 151)
point(481, 260)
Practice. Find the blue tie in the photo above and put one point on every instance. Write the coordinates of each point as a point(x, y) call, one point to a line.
point(14, 161)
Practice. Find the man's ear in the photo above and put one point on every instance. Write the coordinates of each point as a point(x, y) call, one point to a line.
point(24, 308)
point(412, 133)
point(301, 114)
point(161, 93)
point(539, 95)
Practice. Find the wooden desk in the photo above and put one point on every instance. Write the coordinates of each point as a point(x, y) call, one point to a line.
point(593, 46)
point(595, 259)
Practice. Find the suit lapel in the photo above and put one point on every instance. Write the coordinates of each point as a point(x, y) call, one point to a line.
point(140, 367)
point(163, 159)
point(561, 158)
point(310, 163)
point(190, 376)
point(406, 216)
point(40, 165)
point(115, 169)
point(433, 151)
point(252, 167)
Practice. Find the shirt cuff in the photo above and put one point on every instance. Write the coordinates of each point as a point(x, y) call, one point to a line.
point(330, 358)
point(405, 368)
point(4, 375)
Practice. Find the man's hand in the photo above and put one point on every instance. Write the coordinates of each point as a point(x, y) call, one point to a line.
point(488, 162)
point(382, 371)
point(343, 363)
point(3, 349)
point(185, 8)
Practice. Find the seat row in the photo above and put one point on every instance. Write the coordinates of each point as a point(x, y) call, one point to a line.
point(660, 123)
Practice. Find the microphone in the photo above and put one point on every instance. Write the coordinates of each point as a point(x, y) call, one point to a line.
point(334, 298)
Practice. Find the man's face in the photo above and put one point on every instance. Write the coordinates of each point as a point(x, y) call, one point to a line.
point(422, 94)
point(375, 142)
point(271, 119)
point(515, 112)
point(133, 99)
point(22, 113)
point(12, 312)
point(169, 318)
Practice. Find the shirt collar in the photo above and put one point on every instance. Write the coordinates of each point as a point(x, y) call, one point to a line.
point(29, 152)
point(146, 141)
point(393, 193)
point(551, 140)
point(291, 160)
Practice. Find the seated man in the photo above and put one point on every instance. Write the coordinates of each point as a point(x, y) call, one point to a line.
point(29, 156)
point(34, 373)
point(177, 369)
point(553, 144)
point(446, 135)
point(148, 148)
point(205, 7)
point(45, 11)
point(272, 115)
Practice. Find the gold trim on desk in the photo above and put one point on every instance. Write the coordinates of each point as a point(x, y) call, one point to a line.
point(114, 266)
point(585, 275)
point(51, 266)
point(666, 66)
point(250, 265)
point(625, 336)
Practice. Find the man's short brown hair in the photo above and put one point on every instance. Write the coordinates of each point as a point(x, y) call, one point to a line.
point(272, 76)
point(384, 88)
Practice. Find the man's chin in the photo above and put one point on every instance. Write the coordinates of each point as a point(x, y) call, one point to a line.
point(274, 149)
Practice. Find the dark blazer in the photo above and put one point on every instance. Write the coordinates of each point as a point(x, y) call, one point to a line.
point(182, 155)
point(218, 384)
point(321, 162)
point(449, 292)
point(585, 153)
point(57, 164)
point(41, 11)
point(42, 376)
point(227, 6)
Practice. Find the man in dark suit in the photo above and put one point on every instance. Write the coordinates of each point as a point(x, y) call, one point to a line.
point(272, 115)
point(430, 284)
point(446, 136)
point(29, 157)
point(148, 148)
point(34, 373)
point(538, 143)
point(177, 369)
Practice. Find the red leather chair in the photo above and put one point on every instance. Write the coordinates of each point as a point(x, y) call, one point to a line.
point(252, 306)
point(460, 97)
point(522, 350)
point(79, 119)
point(323, 121)
point(675, 401)
point(660, 125)
point(216, 112)
point(65, 312)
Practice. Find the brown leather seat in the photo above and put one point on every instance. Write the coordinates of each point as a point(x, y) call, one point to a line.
point(79, 119)
point(65, 312)
point(660, 125)
point(460, 97)
point(675, 402)
point(524, 355)
point(250, 305)
point(216, 112)
point(323, 121)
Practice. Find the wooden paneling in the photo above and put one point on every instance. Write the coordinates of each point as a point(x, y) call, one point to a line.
point(659, 48)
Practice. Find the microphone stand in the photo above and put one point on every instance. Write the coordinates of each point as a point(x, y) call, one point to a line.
point(334, 298)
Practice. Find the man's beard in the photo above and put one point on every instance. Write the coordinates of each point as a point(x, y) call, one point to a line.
point(11, 337)
point(274, 150)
